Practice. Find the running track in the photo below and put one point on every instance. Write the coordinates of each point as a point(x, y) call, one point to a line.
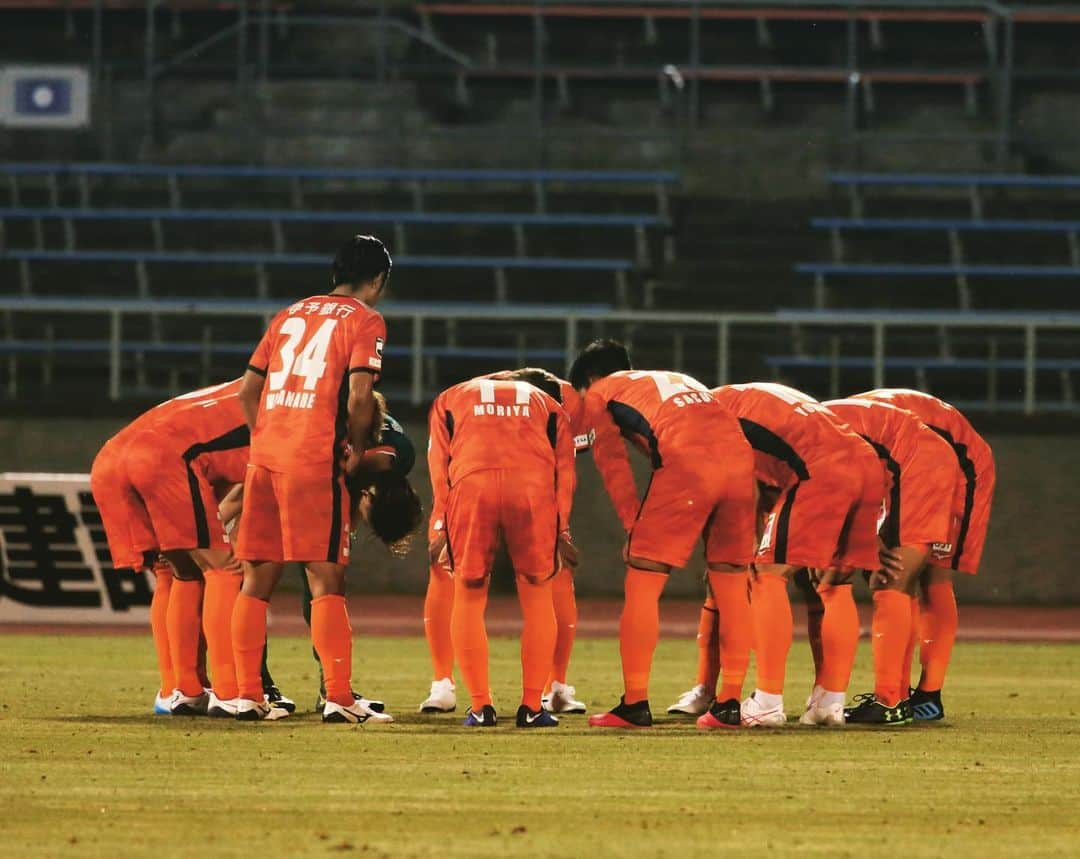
point(389, 614)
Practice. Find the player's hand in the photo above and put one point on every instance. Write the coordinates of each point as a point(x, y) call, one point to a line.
point(815, 574)
point(568, 551)
point(891, 562)
point(626, 550)
point(437, 553)
point(352, 460)
point(879, 579)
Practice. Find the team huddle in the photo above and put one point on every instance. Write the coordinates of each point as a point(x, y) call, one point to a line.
point(217, 490)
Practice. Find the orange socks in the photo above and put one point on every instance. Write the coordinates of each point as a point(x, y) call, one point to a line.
point(469, 634)
point(892, 629)
point(771, 612)
point(537, 639)
point(222, 588)
point(735, 632)
point(248, 639)
point(159, 608)
point(708, 644)
point(182, 622)
point(909, 652)
point(331, 635)
point(562, 595)
point(639, 630)
point(438, 604)
point(839, 637)
point(940, 620)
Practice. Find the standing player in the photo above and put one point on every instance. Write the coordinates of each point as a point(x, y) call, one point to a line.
point(308, 396)
point(501, 460)
point(559, 697)
point(702, 488)
point(962, 552)
point(825, 514)
point(922, 477)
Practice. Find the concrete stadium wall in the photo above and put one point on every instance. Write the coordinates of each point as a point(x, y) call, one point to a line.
point(1033, 546)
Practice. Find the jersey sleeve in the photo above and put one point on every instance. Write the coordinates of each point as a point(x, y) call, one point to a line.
point(565, 470)
point(368, 342)
point(612, 461)
point(438, 463)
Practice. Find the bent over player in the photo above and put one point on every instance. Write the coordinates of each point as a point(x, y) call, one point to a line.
point(961, 553)
point(308, 396)
point(501, 460)
point(702, 488)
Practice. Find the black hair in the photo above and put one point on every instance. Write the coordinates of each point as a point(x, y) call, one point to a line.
point(396, 511)
point(600, 358)
point(542, 379)
point(360, 260)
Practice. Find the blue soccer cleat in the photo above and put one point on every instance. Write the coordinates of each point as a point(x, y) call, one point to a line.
point(927, 706)
point(484, 719)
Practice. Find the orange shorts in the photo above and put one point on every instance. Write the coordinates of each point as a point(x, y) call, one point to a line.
point(706, 498)
point(293, 517)
point(970, 520)
point(919, 501)
point(182, 504)
point(123, 515)
point(485, 504)
point(829, 519)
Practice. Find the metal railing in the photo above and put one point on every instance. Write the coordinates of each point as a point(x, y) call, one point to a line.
point(719, 327)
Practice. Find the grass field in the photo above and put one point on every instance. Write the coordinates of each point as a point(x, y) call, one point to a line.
point(86, 771)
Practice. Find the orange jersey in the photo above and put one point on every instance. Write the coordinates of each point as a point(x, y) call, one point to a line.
point(207, 430)
point(943, 419)
point(572, 404)
point(488, 424)
point(892, 432)
point(789, 431)
point(307, 355)
point(666, 416)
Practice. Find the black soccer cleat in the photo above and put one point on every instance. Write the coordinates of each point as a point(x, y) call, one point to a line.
point(927, 706)
point(541, 718)
point(868, 710)
point(486, 718)
point(275, 699)
point(722, 714)
point(636, 715)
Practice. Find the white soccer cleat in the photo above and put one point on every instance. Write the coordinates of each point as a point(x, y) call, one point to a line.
point(757, 715)
point(219, 708)
point(258, 711)
point(161, 705)
point(830, 715)
point(188, 705)
point(356, 713)
point(443, 698)
point(693, 702)
point(561, 699)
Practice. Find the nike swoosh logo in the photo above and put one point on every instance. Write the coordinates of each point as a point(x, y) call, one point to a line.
point(928, 641)
point(531, 717)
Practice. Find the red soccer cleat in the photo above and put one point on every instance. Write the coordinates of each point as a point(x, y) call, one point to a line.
point(722, 714)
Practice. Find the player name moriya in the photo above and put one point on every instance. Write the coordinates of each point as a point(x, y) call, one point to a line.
point(500, 411)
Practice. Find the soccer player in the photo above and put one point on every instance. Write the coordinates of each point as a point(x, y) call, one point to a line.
point(381, 496)
point(156, 484)
point(702, 489)
point(922, 477)
point(825, 515)
point(559, 697)
point(962, 552)
point(308, 397)
point(501, 460)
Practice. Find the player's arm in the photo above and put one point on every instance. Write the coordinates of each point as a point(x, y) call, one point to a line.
point(250, 393)
point(612, 461)
point(360, 410)
point(566, 482)
point(251, 386)
point(232, 504)
point(439, 470)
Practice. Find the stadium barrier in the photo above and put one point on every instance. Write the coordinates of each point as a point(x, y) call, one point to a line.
point(570, 320)
point(54, 559)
